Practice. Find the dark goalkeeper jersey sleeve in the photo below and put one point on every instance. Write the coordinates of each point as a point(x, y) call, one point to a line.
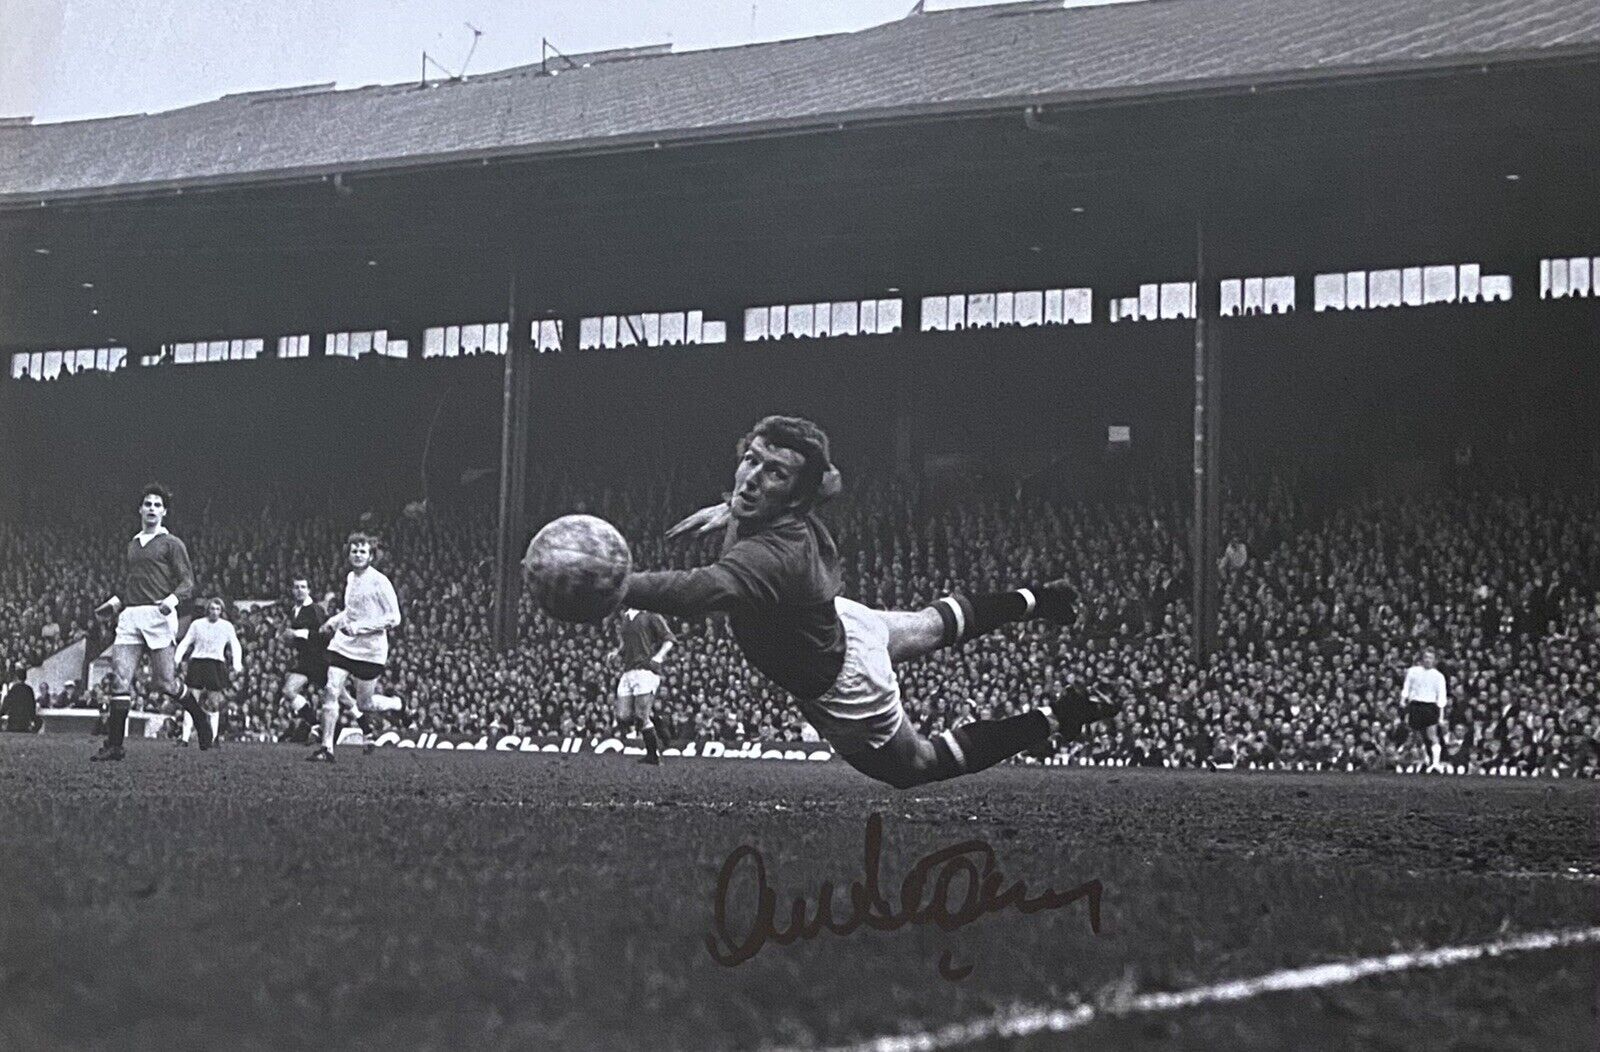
point(778, 586)
point(748, 574)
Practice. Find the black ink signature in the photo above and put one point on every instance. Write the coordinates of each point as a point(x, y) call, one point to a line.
point(966, 884)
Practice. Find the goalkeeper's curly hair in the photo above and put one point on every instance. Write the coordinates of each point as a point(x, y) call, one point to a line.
point(820, 479)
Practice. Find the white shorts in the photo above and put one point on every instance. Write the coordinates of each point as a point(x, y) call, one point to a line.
point(638, 681)
point(147, 626)
point(862, 710)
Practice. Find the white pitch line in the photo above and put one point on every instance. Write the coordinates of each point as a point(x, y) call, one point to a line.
point(1529, 874)
point(1060, 1020)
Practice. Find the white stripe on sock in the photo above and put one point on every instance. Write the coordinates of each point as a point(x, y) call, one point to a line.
point(955, 749)
point(961, 619)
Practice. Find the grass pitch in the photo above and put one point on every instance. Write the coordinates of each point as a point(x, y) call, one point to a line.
point(245, 899)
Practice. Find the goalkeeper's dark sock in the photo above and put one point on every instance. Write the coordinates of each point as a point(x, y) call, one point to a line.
point(977, 746)
point(647, 731)
point(967, 617)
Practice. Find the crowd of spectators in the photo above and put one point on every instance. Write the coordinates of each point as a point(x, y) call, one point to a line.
point(1322, 610)
point(49, 580)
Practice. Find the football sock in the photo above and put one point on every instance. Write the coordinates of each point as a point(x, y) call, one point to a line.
point(977, 746)
point(117, 720)
point(647, 731)
point(967, 617)
point(1436, 750)
point(188, 727)
point(185, 697)
point(330, 721)
point(216, 723)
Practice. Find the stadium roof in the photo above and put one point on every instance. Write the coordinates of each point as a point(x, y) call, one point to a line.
point(957, 62)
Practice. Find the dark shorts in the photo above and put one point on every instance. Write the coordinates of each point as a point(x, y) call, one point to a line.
point(315, 672)
point(362, 670)
point(207, 674)
point(1420, 715)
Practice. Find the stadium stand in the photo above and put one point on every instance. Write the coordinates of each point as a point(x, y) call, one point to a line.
point(1321, 617)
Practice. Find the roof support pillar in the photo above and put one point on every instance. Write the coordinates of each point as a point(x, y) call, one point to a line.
point(911, 396)
point(516, 396)
point(1205, 529)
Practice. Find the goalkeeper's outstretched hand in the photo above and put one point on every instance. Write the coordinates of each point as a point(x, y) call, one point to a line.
point(707, 520)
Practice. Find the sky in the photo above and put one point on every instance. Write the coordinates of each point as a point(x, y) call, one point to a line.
point(72, 59)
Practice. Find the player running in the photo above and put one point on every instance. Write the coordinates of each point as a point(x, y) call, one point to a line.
point(158, 577)
point(644, 641)
point(778, 580)
point(310, 669)
point(358, 648)
point(210, 640)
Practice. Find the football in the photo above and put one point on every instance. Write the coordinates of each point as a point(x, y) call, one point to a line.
point(577, 567)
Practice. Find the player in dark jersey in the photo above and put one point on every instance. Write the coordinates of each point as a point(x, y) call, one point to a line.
point(310, 667)
point(643, 643)
point(158, 577)
point(778, 580)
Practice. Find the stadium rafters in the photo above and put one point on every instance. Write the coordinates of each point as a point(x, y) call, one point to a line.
point(954, 63)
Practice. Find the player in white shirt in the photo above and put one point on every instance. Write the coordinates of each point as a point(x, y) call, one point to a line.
point(358, 647)
point(305, 682)
point(208, 644)
point(1425, 701)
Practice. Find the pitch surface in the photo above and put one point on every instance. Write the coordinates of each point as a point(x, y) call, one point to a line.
point(243, 898)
